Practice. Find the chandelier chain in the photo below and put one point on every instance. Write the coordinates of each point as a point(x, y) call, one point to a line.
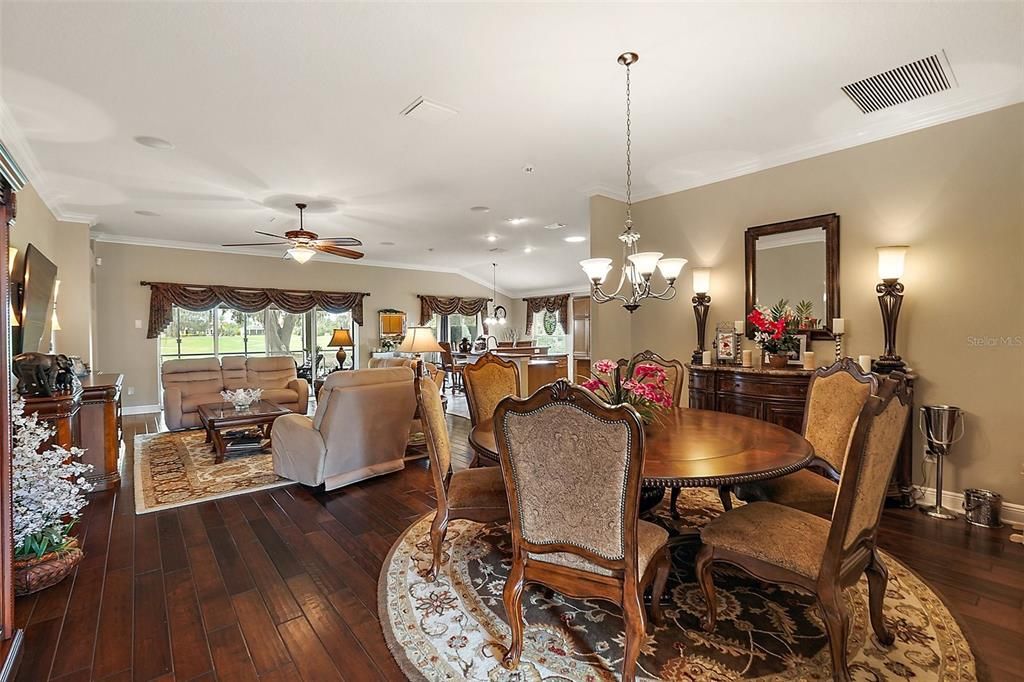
point(629, 160)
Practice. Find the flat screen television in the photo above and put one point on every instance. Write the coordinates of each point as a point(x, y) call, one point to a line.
point(38, 277)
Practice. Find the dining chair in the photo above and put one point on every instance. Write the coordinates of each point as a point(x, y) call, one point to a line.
point(572, 468)
point(781, 544)
point(487, 381)
point(835, 397)
point(452, 369)
point(473, 494)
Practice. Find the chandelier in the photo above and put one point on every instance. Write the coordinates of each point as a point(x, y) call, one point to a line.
point(637, 266)
point(497, 314)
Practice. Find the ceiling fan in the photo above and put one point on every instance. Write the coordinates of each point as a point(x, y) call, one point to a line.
point(305, 244)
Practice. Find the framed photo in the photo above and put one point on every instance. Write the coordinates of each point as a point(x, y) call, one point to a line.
point(726, 346)
point(796, 357)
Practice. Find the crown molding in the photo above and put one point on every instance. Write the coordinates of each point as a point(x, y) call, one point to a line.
point(962, 108)
point(129, 240)
point(555, 291)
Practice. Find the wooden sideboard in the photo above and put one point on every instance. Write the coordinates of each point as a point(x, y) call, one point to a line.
point(100, 419)
point(778, 396)
point(61, 412)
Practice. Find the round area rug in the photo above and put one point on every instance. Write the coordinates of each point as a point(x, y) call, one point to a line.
point(455, 628)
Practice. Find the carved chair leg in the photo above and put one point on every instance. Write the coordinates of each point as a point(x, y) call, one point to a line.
point(707, 586)
point(878, 578)
point(513, 598)
point(837, 624)
point(636, 630)
point(725, 495)
point(672, 503)
point(660, 581)
point(438, 529)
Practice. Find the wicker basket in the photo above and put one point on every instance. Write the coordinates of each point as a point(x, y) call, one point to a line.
point(32, 575)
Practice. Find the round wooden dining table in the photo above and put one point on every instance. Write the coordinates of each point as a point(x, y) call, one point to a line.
point(699, 448)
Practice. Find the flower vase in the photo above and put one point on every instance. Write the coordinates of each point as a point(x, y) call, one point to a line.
point(777, 360)
point(38, 573)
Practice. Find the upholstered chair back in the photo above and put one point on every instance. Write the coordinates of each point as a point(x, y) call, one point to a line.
point(488, 381)
point(835, 397)
point(435, 429)
point(431, 370)
point(232, 367)
point(270, 372)
point(193, 376)
point(572, 468)
point(673, 371)
point(869, 464)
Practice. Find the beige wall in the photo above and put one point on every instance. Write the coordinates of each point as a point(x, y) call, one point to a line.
point(67, 245)
point(610, 324)
point(122, 347)
point(955, 194)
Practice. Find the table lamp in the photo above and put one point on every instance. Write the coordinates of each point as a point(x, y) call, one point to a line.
point(890, 300)
point(701, 302)
point(419, 340)
point(340, 339)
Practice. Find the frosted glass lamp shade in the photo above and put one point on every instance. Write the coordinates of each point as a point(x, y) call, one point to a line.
point(301, 254)
point(596, 268)
point(420, 340)
point(646, 261)
point(701, 280)
point(670, 268)
point(890, 261)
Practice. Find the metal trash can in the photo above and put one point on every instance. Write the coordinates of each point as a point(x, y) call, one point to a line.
point(982, 507)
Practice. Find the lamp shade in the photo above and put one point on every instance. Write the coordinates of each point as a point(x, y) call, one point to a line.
point(301, 253)
point(890, 261)
point(341, 337)
point(701, 280)
point(596, 268)
point(646, 261)
point(670, 268)
point(420, 340)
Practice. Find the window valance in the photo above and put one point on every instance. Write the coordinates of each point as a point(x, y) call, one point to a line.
point(449, 305)
point(559, 304)
point(198, 297)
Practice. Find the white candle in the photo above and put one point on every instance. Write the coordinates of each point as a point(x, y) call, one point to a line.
point(738, 326)
point(705, 358)
point(865, 362)
point(838, 325)
point(748, 358)
point(809, 359)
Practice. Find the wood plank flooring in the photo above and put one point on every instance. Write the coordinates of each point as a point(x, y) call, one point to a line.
point(281, 585)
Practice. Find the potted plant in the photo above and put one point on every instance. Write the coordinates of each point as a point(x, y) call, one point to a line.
point(645, 390)
point(775, 332)
point(48, 489)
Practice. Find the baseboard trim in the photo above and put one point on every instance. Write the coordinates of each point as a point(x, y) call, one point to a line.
point(1011, 513)
point(140, 409)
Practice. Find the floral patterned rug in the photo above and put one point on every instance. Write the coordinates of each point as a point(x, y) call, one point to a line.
point(176, 468)
point(455, 628)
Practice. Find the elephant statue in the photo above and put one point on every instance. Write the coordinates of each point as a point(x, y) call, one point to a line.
point(43, 375)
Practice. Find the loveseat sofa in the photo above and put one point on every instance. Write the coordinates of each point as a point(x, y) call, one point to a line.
point(190, 383)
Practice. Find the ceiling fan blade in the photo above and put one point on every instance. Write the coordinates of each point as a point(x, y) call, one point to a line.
point(270, 234)
point(337, 251)
point(340, 241)
point(258, 244)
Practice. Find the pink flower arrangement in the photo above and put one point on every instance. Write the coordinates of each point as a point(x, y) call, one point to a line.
point(645, 390)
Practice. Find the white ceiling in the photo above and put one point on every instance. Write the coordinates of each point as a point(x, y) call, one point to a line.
point(268, 102)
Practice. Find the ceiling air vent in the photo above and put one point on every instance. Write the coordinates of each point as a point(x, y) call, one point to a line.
point(428, 110)
point(904, 83)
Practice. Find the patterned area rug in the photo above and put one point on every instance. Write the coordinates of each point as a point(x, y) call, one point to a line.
point(454, 629)
point(175, 469)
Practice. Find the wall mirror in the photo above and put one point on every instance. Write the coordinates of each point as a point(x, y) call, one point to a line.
point(391, 323)
point(796, 261)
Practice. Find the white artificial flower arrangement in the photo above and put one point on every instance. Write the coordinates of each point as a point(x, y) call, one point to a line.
point(48, 487)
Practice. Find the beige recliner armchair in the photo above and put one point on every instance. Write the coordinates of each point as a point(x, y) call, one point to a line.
point(360, 429)
point(435, 373)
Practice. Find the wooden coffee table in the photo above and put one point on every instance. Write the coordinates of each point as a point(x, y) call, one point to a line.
point(220, 419)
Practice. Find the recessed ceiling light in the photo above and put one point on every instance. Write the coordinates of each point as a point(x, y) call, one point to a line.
point(153, 142)
point(492, 237)
point(528, 249)
point(148, 214)
point(528, 169)
point(515, 221)
point(554, 226)
point(387, 243)
point(575, 239)
point(479, 209)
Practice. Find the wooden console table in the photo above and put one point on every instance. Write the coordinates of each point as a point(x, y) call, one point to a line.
point(62, 413)
point(101, 428)
point(779, 396)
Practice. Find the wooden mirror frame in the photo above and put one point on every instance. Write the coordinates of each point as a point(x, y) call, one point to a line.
point(380, 322)
point(830, 223)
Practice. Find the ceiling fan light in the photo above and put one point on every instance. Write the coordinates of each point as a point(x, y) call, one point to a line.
point(301, 254)
point(646, 261)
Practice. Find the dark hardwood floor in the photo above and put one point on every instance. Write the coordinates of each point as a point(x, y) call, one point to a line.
point(282, 585)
